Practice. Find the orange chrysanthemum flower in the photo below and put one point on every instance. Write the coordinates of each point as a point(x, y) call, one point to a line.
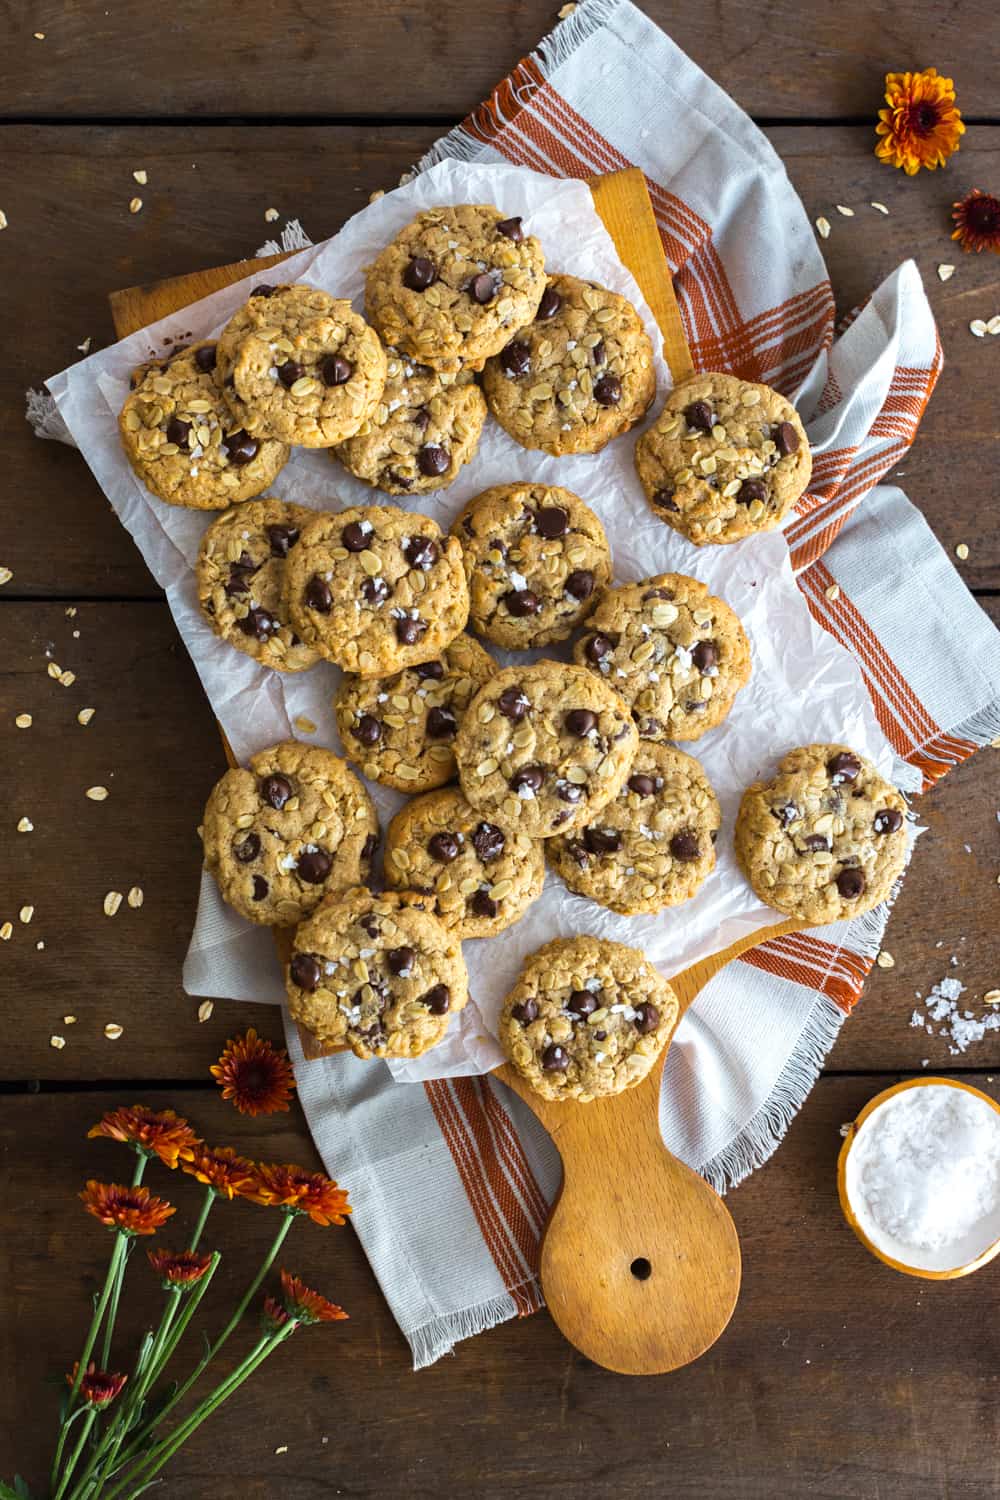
point(98, 1388)
point(149, 1132)
point(305, 1305)
point(257, 1077)
point(300, 1192)
point(179, 1268)
point(977, 222)
point(219, 1167)
point(273, 1316)
point(922, 125)
point(133, 1210)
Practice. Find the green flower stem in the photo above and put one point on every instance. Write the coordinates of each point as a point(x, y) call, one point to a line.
point(190, 1309)
point(74, 1457)
point(117, 1254)
point(116, 1286)
point(206, 1208)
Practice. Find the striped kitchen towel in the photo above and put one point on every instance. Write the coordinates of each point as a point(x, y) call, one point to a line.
point(452, 1180)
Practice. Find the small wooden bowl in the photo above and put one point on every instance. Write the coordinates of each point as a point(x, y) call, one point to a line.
point(897, 1265)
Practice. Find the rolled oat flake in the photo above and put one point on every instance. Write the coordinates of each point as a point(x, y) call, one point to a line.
point(923, 1176)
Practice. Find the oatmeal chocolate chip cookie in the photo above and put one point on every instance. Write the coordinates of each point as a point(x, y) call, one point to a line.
point(586, 1018)
point(724, 459)
point(241, 581)
point(401, 730)
point(653, 846)
point(379, 974)
point(455, 284)
point(285, 833)
point(581, 374)
point(425, 427)
point(299, 365)
point(544, 748)
point(536, 560)
point(825, 838)
point(182, 440)
point(376, 589)
point(479, 877)
point(677, 655)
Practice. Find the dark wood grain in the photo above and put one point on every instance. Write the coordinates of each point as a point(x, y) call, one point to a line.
point(837, 1377)
point(154, 744)
point(135, 59)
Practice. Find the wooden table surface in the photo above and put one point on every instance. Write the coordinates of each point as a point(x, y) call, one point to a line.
point(837, 1378)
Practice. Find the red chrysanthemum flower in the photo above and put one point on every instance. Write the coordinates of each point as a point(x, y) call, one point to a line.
point(98, 1388)
point(219, 1167)
point(922, 126)
point(149, 1132)
point(256, 1076)
point(300, 1192)
point(977, 222)
point(305, 1305)
point(182, 1268)
point(118, 1205)
point(273, 1316)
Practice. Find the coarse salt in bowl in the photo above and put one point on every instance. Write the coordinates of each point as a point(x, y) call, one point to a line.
point(919, 1177)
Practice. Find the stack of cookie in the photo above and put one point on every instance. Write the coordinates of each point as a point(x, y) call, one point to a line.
point(574, 767)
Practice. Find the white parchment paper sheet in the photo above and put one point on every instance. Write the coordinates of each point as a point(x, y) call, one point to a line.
point(804, 686)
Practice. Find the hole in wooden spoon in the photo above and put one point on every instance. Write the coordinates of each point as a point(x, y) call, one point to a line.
point(641, 1269)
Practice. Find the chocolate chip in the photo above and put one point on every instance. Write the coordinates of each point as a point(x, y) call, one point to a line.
point(548, 307)
point(887, 820)
point(695, 706)
point(444, 847)
point(602, 840)
point(260, 888)
point(484, 287)
point(238, 582)
point(705, 655)
point(400, 960)
point(481, 904)
point(336, 370)
point(409, 631)
point(305, 971)
point(178, 431)
point(647, 1018)
point(569, 791)
point(282, 539)
point(786, 439)
point(515, 359)
point(815, 843)
point(750, 490)
point(275, 791)
point(355, 536)
point(511, 229)
point(441, 724)
point(248, 850)
point(787, 814)
point(437, 1000)
point(314, 866)
point(522, 603)
point(580, 721)
point(843, 767)
point(263, 290)
point(684, 845)
point(600, 1036)
point(529, 777)
point(260, 623)
point(317, 595)
point(430, 670)
point(581, 1003)
point(513, 704)
point(240, 448)
point(488, 841)
point(608, 390)
point(580, 584)
point(526, 1012)
point(850, 883)
point(555, 1059)
point(420, 274)
point(599, 353)
point(664, 500)
point(290, 372)
point(368, 848)
point(432, 460)
point(658, 594)
point(597, 648)
point(699, 415)
point(204, 358)
point(642, 785)
point(421, 551)
point(552, 521)
point(375, 591)
point(369, 923)
point(368, 729)
point(421, 418)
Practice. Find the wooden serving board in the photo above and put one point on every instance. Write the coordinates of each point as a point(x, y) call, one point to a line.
point(640, 1262)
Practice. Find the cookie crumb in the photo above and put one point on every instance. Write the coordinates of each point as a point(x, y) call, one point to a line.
point(58, 1042)
point(136, 897)
point(113, 1031)
point(885, 960)
point(6, 932)
point(97, 793)
point(373, 197)
point(26, 913)
point(84, 348)
point(23, 721)
point(945, 272)
point(823, 227)
point(112, 902)
point(85, 715)
point(69, 1020)
point(25, 825)
point(567, 10)
point(135, 204)
point(70, 610)
point(140, 177)
point(282, 1449)
point(832, 592)
point(39, 36)
point(270, 214)
point(961, 551)
point(304, 725)
point(205, 1010)
point(39, 945)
